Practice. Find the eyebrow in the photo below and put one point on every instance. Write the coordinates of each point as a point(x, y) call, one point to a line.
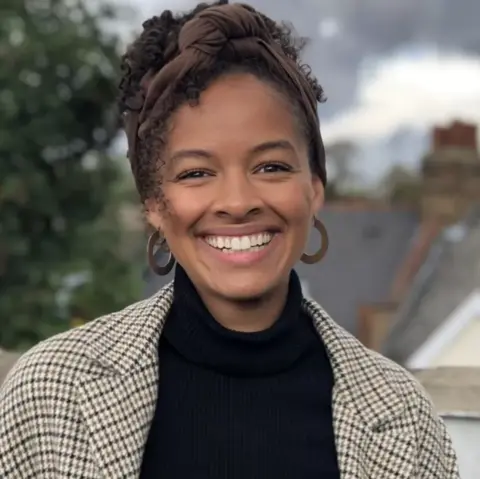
point(261, 148)
point(179, 155)
point(273, 145)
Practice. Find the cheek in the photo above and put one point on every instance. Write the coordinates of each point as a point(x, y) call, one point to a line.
point(295, 201)
point(181, 210)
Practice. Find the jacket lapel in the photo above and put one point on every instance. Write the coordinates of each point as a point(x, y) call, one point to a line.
point(118, 437)
point(365, 453)
point(118, 395)
point(373, 439)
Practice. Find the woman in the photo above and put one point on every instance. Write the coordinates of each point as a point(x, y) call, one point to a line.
point(229, 372)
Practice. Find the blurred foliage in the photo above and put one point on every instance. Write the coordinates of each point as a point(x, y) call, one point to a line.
point(60, 229)
point(403, 187)
point(339, 156)
point(399, 186)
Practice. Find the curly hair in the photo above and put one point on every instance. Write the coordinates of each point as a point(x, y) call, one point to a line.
point(160, 44)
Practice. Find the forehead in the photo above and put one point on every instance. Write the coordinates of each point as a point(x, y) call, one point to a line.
point(235, 110)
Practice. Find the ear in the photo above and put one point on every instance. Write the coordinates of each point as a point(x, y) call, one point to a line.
point(154, 215)
point(318, 194)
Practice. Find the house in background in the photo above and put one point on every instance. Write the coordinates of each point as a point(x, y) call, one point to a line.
point(378, 254)
point(446, 215)
point(438, 322)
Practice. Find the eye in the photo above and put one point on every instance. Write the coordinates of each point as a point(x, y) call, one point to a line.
point(273, 167)
point(193, 174)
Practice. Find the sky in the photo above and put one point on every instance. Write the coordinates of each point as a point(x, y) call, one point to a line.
point(390, 69)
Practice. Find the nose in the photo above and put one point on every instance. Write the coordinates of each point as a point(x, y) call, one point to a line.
point(237, 197)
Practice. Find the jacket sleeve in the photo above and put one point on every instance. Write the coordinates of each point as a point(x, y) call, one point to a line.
point(436, 456)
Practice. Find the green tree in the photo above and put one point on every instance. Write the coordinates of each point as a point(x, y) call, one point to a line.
point(339, 156)
point(58, 231)
point(402, 187)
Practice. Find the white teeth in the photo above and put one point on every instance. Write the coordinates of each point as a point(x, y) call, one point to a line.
point(245, 242)
point(240, 243)
point(236, 244)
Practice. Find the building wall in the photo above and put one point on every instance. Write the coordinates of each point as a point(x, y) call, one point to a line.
point(464, 350)
point(465, 433)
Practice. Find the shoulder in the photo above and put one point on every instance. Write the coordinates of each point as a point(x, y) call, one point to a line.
point(402, 381)
point(365, 370)
point(39, 395)
point(414, 396)
point(56, 364)
point(434, 445)
point(41, 391)
point(378, 387)
point(390, 380)
point(388, 389)
point(51, 368)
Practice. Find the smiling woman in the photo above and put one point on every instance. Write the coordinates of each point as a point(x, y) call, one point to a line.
point(229, 372)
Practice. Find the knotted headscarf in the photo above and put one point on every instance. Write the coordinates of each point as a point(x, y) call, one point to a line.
point(228, 29)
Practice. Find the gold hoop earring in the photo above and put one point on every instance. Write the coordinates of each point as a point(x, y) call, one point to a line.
point(318, 256)
point(161, 270)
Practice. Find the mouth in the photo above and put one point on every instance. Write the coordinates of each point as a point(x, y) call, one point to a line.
point(240, 244)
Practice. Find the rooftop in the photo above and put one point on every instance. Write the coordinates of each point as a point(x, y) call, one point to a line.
point(448, 275)
point(455, 391)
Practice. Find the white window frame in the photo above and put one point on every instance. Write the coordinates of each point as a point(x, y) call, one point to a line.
point(461, 317)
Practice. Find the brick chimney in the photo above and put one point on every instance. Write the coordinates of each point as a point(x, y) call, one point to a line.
point(451, 173)
point(460, 135)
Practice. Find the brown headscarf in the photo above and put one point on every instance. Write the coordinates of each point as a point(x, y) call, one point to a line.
point(235, 29)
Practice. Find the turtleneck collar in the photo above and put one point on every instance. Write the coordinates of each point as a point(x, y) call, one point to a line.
point(195, 334)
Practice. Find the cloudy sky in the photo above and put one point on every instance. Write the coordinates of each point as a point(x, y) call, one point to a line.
point(390, 68)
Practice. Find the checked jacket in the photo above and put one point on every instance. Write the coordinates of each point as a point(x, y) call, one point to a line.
point(80, 404)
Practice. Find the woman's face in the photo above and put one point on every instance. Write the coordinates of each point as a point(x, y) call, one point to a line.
point(238, 192)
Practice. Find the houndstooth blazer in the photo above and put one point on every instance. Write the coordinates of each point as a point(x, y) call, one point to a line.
point(80, 404)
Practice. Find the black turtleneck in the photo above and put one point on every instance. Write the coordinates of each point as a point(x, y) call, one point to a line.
point(235, 405)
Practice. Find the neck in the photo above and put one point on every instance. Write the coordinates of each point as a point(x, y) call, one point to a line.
point(271, 334)
point(247, 316)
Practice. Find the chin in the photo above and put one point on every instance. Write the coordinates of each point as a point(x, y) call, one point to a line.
point(239, 289)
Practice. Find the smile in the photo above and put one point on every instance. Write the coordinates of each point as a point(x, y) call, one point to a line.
point(235, 244)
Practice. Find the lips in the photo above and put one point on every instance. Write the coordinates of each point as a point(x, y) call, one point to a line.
point(238, 230)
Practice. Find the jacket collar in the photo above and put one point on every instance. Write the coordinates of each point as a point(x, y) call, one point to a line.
point(361, 381)
point(129, 342)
